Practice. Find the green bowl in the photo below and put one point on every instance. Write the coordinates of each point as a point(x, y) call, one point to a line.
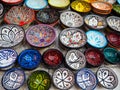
point(116, 9)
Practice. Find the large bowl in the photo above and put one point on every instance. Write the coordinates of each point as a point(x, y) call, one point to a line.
point(12, 2)
point(11, 35)
point(114, 22)
point(19, 15)
point(41, 35)
point(71, 19)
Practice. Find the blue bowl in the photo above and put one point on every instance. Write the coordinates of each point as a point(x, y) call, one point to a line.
point(118, 1)
point(29, 59)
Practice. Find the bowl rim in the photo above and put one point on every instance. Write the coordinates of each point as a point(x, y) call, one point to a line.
point(17, 2)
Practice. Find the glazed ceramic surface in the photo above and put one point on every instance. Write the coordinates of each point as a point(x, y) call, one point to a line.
point(10, 35)
point(63, 78)
point(107, 77)
point(95, 21)
point(41, 35)
point(75, 59)
point(86, 79)
point(109, 1)
point(1, 10)
point(37, 4)
point(73, 38)
point(71, 19)
point(96, 39)
point(42, 78)
point(12, 1)
point(13, 79)
point(116, 8)
point(118, 1)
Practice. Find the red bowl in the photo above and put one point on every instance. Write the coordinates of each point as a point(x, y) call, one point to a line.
point(12, 1)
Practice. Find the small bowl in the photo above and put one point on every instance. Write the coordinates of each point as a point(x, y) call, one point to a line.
point(52, 58)
point(114, 23)
point(63, 78)
point(80, 6)
point(19, 15)
point(116, 9)
point(96, 39)
point(114, 39)
point(118, 1)
point(40, 35)
point(59, 4)
point(94, 57)
point(10, 35)
point(71, 19)
point(39, 80)
point(86, 79)
point(73, 38)
point(47, 16)
point(111, 55)
point(13, 79)
point(7, 58)
point(109, 1)
point(75, 59)
point(107, 78)
point(104, 10)
point(12, 2)
point(1, 10)
point(36, 5)
point(95, 22)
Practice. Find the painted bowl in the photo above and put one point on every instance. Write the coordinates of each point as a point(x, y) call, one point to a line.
point(41, 35)
point(116, 9)
point(114, 39)
point(111, 55)
point(1, 10)
point(63, 78)
point(94, 57)
point(52, 58)
point(59, 4)
point(36, 5)
point(7, 57)
point(109, 1)
point(95, 22)
point(42, 78)
point(12, 2)
point(13, 79)
point(19, 15)
point(80, 6)
point(114, 22)
point(104, 10)
point(96, 39)
point(75, 59)
point(73, 38)
point(29, 59)
point(107, 78)
point(47, 16)
point(71, 19)
point(10, 35)
point(86, 79)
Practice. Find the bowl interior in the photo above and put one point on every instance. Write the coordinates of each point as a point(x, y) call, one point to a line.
point(12, 1)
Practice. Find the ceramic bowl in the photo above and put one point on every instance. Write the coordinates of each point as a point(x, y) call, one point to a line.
point(19, 15)
point(114, 39)
point(12, 2)
point(71, 19)
point(105, 9)
point(73, 38)
point(10, 35)
point(86, 79)
point(75, 59)
point(94, 57)
point(29, 59)
point(1, 10)
point(41, 35)
point(13, 79)
point(95, 22)
point(118, 1)
point(107, 78)
point(116, 9)
point(96, 39)
point(63, 78)
point(111, 55)
point(80, 6)
point(36, 5)
point(47, 16)
point(59, 4)
point(114, 23)
point(42, 78)
point(109, 1)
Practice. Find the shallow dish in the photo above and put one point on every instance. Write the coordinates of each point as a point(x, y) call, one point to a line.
point(73, 38)
point(37, 4)
point(114, 22)
point(10, 35)
point(12, 2)
point(96, 39)
point(19, 15)
point(71, 19)
point(95, 22)
point(41, 35)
